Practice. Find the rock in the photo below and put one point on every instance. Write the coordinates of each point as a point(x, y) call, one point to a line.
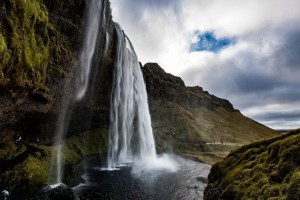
point(56, 191)
point(196, 117)
point(4, 195)
point(30, 105)
point(31, 109)
point(34, 111)
point(164, 87)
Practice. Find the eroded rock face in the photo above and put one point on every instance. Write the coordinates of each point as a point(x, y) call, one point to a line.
point(187, 119)
point(32, 109)
point(164, 87)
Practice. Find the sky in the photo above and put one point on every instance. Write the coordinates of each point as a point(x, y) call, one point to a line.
point(246, 51)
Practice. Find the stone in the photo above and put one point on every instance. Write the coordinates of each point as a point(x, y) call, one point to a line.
point(55, 192)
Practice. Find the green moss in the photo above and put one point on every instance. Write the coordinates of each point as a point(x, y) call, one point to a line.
point(35, 170)
point(4, 57)
point(8, 148)
point(3, 46)
point(262, 170)
point(294, 186)
point(35, 45)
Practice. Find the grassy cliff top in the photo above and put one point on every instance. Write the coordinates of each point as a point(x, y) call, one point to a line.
point(267, 169)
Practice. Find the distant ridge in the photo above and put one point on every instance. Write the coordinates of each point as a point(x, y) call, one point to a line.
point(185, 119)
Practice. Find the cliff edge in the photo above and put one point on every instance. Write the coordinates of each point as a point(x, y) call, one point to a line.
point(189, 120)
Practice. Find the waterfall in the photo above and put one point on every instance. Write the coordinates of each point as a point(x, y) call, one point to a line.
point(131, 138)
point(88, 50)
point(86, 57)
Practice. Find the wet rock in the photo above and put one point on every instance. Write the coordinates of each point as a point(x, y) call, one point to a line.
point(4, 195)
point(56, 191)
point(33, 111)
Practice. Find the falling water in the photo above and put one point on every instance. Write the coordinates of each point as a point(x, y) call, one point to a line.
point(86, 56)
point(60, 134)
point(131, 138)
point(106, 43)
point(89, 46)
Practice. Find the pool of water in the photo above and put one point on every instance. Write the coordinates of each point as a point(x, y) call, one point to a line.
point(188, 182)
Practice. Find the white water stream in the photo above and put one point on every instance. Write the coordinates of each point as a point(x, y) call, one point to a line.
point(131, 138)
point(86, 57)
point(88, 50)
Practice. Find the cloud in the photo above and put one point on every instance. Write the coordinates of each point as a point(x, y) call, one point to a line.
point(279, 116)
point(253, 78)
point(260, 68)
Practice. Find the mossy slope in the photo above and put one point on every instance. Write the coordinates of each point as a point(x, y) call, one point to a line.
point(31, 49)
point(27, 167)
point(268, 169)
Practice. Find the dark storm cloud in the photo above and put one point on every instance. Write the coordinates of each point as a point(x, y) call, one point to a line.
point(288, 116)
point(289, 54)
point(254, 82)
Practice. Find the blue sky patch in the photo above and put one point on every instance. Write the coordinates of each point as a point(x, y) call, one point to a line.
point(208, 42)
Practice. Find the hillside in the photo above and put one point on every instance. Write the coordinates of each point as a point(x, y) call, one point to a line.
point(40, 41)
point(268, 169)
point(185, 119)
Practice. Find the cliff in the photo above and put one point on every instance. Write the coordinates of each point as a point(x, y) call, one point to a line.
point(268, 169)
point(40, 45)
point(191, 121)
point(40, 41)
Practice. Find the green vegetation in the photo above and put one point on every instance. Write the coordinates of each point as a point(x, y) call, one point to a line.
point(4, 55)
point(268, 169)
point(31, 49)
point(34, 169)
point(187, 131)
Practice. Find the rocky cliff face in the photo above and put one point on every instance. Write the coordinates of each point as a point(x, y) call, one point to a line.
point(164, 87)
point(191, 121)
point(40, 44)
point(40, 41)
point(34, 87)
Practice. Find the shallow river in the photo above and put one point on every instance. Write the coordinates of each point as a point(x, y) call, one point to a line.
point(188, 182)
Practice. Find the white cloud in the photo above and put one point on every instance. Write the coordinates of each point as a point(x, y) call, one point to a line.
point(163, 34)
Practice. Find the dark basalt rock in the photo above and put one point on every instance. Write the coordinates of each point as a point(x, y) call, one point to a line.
point(4, 195)
point(165, 87)
point(32, 112)
point(35, 112)
point(56, 192)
